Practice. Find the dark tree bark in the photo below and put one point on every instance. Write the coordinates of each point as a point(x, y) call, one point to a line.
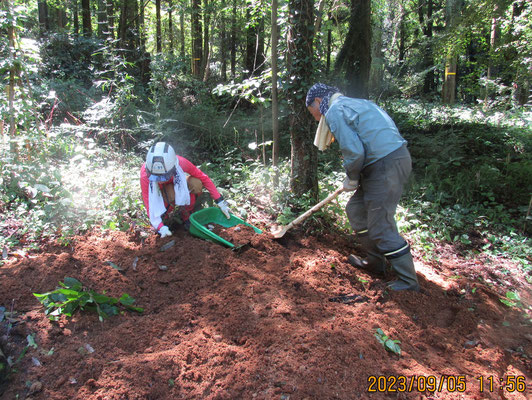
point(223, 43)
point(103, 26)
point(182, 32)
point(86, 17)
point(44, 24)
point(110, 9)
point(354, 58)
point(329, 45)
point(75, 17)
point(197, 50)
point(303, 179)
point(427, 26)
point(275, 105)
point(233, 40)
point(170, 30)
point(158, 26)
point(206, 38)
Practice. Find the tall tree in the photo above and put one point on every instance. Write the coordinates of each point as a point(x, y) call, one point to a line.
point(101, 13)
point(86, 17)
point(223, 43)
point(275, 105)
point(304, 156)
point(44, 25)
point(197, 49)
point(158, 26)
point(182, 31)
point(233, 39)
point(425, 9)
point(111, 17)
point(170, 28)
point(206, 39)
point(354, 58)
point(75, 17)
point(452, 13)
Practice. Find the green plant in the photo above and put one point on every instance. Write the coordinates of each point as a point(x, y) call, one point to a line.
point(389, 344)
point(512, 300)
point(72, 295)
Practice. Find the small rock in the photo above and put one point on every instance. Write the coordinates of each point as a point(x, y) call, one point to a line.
point(135, 261)
point(89, 348)
point(238, 229)
point(471, 343)
point(167, 246)
point(210, 227)
point(163, 267)
point(72, 380)
point(36, 362)
point(35, 387)
point(217, 338)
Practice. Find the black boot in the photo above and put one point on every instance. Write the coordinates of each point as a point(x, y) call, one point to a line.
point(374, 261)
point(406, 272)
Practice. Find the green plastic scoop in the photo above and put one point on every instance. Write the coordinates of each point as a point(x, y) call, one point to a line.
point(213, 215)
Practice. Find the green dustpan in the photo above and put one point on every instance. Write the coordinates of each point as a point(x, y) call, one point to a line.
point(213, 215)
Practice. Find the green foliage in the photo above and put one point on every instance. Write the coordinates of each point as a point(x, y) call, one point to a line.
point(389, 344)
point(512, 300)
point(72, 296)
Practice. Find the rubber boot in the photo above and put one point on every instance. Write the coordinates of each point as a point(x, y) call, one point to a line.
point(373, 262)
point(406, 272)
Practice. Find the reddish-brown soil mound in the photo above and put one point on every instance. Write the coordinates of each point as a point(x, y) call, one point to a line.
point(266, 322)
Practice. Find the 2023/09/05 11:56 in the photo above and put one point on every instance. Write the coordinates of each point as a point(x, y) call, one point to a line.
point(448, 383)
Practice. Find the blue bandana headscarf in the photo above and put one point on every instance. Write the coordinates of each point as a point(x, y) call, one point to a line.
point(324, 92)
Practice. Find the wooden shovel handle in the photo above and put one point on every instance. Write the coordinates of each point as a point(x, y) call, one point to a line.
point(308, 213)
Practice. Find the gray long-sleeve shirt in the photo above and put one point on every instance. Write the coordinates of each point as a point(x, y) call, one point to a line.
point(365, 133)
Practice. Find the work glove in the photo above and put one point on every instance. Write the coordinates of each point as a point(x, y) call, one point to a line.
point(349, 184)
point(164, 231)
point(224, 207)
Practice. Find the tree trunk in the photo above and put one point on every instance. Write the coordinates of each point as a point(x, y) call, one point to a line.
point(233, 40)
point(75, 17)
point(206, 39)
point(86, 17)
point(110, 9)
point(275, 105)
point(159, 45)
point(329, 45)
point(494, 36)
point(12, 73)
point(427, 26)
point(44, 25)
point(355, 56)
point(303, 178)
point(223, 44)
point(170, 30)
point(197, 50)
point(103, 28)
point(452, 11)
point(254, 41)
point(182, 32)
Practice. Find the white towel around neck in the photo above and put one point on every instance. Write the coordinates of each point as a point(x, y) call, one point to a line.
point(324, 137)
point(182, 194)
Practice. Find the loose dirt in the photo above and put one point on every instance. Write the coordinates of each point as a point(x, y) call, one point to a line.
point(286, 319)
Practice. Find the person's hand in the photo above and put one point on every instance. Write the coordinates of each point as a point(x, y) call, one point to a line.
point(224, 207)
point(349, 184)
point(164, 231)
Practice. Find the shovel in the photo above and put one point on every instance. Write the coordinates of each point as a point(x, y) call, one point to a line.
point(279, 232)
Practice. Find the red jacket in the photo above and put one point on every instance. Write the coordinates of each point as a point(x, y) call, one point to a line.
point(189, 169)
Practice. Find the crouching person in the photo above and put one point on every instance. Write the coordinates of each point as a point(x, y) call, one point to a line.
point(169, 181)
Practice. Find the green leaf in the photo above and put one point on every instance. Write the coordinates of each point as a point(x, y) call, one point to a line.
point(73, 284)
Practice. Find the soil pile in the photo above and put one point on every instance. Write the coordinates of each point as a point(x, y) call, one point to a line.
point(286, 319)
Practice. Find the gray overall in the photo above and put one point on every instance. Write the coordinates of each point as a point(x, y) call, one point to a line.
point(372, 208)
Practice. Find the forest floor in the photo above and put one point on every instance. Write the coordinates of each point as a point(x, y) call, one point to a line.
point(277, 319)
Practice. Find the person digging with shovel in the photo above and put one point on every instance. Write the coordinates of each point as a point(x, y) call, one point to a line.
point(168, 181)
point(377, 164)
